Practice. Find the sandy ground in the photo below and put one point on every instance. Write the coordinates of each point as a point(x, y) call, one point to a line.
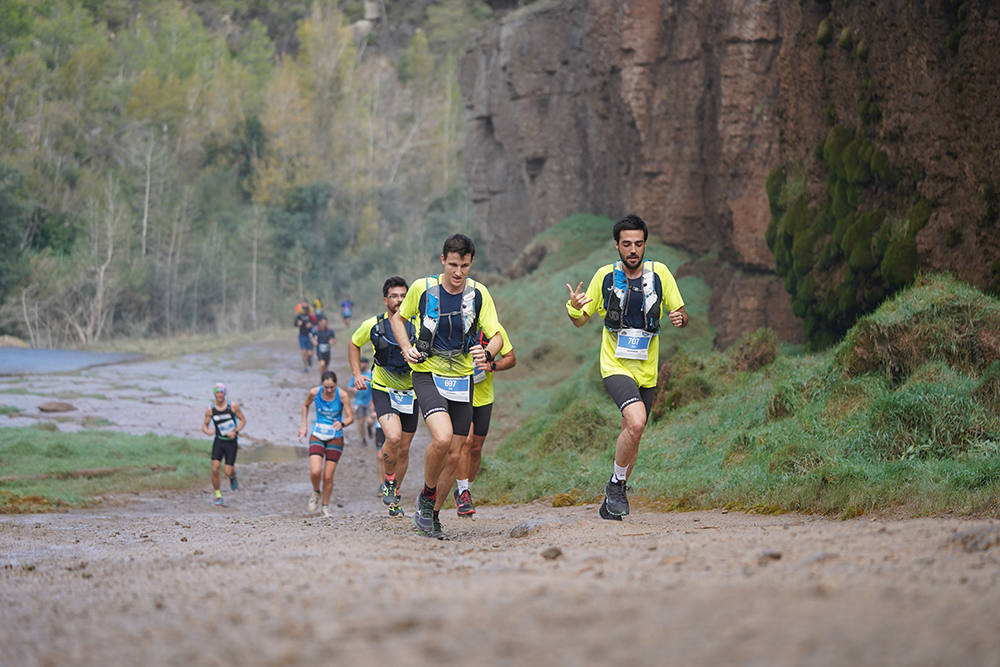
point(170, 579)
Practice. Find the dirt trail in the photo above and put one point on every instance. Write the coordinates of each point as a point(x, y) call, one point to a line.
point(169, 579)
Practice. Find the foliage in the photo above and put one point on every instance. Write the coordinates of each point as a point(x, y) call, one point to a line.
point(841, 254)
point(173, 170)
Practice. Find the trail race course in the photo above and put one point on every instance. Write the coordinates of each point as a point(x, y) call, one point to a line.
point(167, 578)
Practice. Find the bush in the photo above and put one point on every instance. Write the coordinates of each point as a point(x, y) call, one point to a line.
point(938, 319)
point(754, 350)
point(924, 420)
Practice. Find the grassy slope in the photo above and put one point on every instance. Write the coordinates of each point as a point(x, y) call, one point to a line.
point(859, 428)
point(166, 462)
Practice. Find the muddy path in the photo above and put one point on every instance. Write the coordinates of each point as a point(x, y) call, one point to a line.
point(167, 578)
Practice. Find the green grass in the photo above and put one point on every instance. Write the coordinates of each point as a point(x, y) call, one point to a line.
point(903, 420)
point(142, 463)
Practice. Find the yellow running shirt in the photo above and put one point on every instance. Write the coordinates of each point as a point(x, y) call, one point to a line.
point(482, 391)
point(450, 336)
point(643, 371)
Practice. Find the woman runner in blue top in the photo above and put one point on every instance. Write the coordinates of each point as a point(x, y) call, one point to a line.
point(326, 440)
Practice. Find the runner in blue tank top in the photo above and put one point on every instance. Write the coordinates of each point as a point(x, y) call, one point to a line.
point(326, 439)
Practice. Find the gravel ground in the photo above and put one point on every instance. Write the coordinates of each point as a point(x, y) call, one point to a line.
point(168, 578)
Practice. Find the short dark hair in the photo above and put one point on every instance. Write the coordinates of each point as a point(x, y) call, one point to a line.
point(328, 375)
point(460, 244)
point(322, 318)
point(393, 281)
point(630, 221)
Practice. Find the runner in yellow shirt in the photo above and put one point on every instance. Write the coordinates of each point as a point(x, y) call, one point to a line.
point(392, 389)
point(482, 411)
point(449, 308)
point(632, 295)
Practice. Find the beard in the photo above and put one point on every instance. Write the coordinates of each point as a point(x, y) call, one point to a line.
point(632, 260)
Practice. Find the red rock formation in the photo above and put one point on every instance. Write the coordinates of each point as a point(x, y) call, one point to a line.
point(677, 110)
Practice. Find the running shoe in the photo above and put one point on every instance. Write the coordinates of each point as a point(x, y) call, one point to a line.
point(423, 516)
point(463, 503)
point(314, 501)
point(395, 510)
point(218, 502)
point(390, 494)
point(326, 512)
point(615, 499)
point(436, 531)
point(233, 484)
point(605, 514)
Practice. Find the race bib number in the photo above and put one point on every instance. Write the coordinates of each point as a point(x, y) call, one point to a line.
point(227, 429)
point(454, 389)
point(323, 431)
point(633, 344)
point(402, 400)
point(478, 376)
point(323, 347)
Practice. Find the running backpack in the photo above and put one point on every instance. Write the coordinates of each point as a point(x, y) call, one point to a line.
point(387, 353)
point(616, 299)
point(432, 316)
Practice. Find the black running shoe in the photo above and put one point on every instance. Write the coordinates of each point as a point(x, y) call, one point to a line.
point(615, 499)
point(395, 510)
point(389, 493)
point(463, 503)
point(423, 516)
point(605, 514)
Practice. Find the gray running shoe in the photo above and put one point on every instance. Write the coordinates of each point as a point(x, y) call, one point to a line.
point(605, 514)
point(423, 517)
point(436, 531)
point(615, 499)
point(390, 494)
point(314, 501)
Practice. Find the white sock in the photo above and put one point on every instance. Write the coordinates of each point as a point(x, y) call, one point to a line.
point(463, 485)
point(620, 473)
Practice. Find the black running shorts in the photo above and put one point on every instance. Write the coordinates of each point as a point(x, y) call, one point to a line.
point(624, 391)
point(223, 448)
point(481, 420)
point(383, 406)
point(431, 401)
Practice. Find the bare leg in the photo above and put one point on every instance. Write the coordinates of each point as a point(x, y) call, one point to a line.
point(633, 424)
point(475, 456)
point(403, 457)
point(331, 467)
point(447, 477)
point(215, 474)
point(439, 425)
point(315, 470)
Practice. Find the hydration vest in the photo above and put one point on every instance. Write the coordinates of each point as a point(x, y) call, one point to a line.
point(387, 353)
point(432, 316)
point(616, 299)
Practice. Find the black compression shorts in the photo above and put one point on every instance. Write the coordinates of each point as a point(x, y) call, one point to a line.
point(624, 391)
point(223, 448)
point(481, 420)
point(431, 401)
point(383, 406)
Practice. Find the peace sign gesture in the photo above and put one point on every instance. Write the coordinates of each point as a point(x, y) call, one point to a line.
point(578, 298)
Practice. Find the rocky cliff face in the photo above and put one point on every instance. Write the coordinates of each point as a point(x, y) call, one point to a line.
point(678, 110)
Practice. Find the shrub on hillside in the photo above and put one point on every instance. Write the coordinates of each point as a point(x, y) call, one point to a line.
point(988, 390)
point(924, 420)
point(938, 319)
point(754, 350)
